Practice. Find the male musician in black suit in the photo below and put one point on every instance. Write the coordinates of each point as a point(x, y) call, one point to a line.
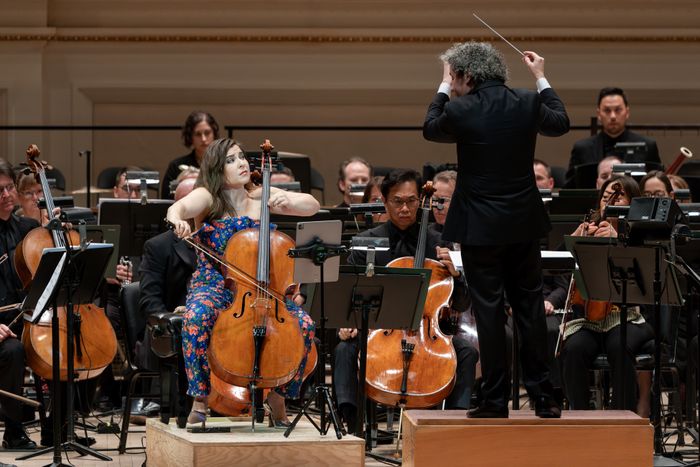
point(12, 230)
point(496, 211)
point(613, 112)
point(166, 267)
point(400, 192)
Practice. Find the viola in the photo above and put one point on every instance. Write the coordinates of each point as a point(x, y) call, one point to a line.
point(256, 342)
point(415, 369)
point(96, 342)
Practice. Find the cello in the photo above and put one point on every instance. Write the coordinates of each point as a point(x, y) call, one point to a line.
point(95, 340)
point(256, 342)
point(415, 369)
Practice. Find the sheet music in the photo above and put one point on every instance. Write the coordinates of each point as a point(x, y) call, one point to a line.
point(48, 291)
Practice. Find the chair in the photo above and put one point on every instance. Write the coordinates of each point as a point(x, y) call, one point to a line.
point(60, 179)
point(107, 177)
point(133, 324)
point(559, 175)
point(318, 183)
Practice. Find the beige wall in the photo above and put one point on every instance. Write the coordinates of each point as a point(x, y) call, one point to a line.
point(71, 62)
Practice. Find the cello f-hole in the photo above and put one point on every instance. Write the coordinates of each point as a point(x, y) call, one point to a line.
point(277, 312)
point(243, 305)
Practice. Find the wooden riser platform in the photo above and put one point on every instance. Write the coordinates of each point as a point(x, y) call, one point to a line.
point(168, 445)
point(578, 439)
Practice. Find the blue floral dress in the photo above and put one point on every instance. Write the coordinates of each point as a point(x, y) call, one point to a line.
point(207, 296)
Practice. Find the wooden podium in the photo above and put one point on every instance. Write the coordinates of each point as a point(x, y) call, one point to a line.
point(580, 438)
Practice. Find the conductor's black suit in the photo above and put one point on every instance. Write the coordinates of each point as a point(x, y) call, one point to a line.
point(497, 215)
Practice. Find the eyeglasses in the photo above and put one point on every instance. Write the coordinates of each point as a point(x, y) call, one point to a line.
point(32, 193)
point(655, 194)
point(399, 202)
point(9, 188)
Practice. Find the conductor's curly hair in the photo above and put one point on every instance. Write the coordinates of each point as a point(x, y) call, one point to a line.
point(481, 61)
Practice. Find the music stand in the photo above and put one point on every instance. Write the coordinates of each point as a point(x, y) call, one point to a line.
point(393, 298)
point(613, 272)
point(139, 222)
point(318, 246)
point(67, 276)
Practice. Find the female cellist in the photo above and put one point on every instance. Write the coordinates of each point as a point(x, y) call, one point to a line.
point(586, 338)
point(225, 202)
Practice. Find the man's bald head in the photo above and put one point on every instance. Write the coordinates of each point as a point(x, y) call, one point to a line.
point(184, 188)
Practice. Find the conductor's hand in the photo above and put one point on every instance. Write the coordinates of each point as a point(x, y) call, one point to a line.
point(446, 77)
point(5, 332)
point(535, 63)
point(346, 333)
point(181, 228)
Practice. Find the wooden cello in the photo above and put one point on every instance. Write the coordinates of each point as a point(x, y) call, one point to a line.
point(256, 342)
point(414, 369)
point(95, 340)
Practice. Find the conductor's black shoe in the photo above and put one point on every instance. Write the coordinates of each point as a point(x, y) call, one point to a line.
point(19, 441)
point(547, 407)
point(484, 411)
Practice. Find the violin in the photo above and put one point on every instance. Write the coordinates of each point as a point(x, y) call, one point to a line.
point(593, 310)
point(256, 342)
point(415, 369)
point(95, 340)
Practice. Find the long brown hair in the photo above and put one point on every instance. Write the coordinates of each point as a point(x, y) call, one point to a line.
point(211, 176)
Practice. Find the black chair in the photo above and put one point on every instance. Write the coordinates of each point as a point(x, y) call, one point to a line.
point(134, 325)
point(559, 176)
point(58, 177)
point(107, 177)
point(318, 183)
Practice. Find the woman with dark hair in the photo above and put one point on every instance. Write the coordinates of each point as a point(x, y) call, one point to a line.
point(585, 339)
point(224, 203)
point(656, 184)
point(199, 130)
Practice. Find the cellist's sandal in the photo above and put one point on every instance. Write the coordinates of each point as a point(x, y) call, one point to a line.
point(198, 414)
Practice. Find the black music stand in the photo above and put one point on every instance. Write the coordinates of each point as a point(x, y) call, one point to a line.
point(318, 242)
point(393, 298)
point(68, 276)
point(138, 222)
point(612, 272)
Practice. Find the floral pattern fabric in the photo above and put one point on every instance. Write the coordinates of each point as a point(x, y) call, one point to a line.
point(207, 296)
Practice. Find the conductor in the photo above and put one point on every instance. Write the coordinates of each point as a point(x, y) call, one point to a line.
point(496, 213)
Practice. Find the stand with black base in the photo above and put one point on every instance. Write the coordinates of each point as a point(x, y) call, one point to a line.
point(626, 275)
point(59, 279)
point(392, 298)
point(318, 252)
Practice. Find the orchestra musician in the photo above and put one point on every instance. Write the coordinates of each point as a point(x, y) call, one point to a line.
point(400, 194)
point(199, 130)
point(604, 170)
point(612, 111)
point(225, 202)
point(12, 362)
point(585, 339)
point(353, 171)
point(30, 192)
point(496, 211)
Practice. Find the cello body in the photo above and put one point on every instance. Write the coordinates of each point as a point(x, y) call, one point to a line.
point(97, 345)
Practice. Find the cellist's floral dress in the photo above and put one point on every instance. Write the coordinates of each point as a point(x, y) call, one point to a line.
point(207, 296)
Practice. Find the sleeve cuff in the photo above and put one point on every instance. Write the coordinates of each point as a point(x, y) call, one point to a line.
point(445, 88)
point(542, 84)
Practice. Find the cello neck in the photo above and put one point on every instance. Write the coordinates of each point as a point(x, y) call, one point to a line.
point(38, 168)
point(426, 202)
point(263, 271)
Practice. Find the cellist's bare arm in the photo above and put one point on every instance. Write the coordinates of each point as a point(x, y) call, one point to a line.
point(192, 206)
point(291, 203)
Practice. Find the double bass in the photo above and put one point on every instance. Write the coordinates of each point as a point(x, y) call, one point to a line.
point(256, 342)
point(95, 340)
point(415, 369)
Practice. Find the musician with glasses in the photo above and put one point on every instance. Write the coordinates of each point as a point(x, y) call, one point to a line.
point(30, 192)
point(400, 192)
point(12, 230)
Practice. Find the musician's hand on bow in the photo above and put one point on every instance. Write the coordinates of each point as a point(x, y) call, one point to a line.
point(535, 63)
point(548, 308)
point(585, 229)
point(443, 255)
point(6, 332)
point(346, 333)
point(181, 228)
